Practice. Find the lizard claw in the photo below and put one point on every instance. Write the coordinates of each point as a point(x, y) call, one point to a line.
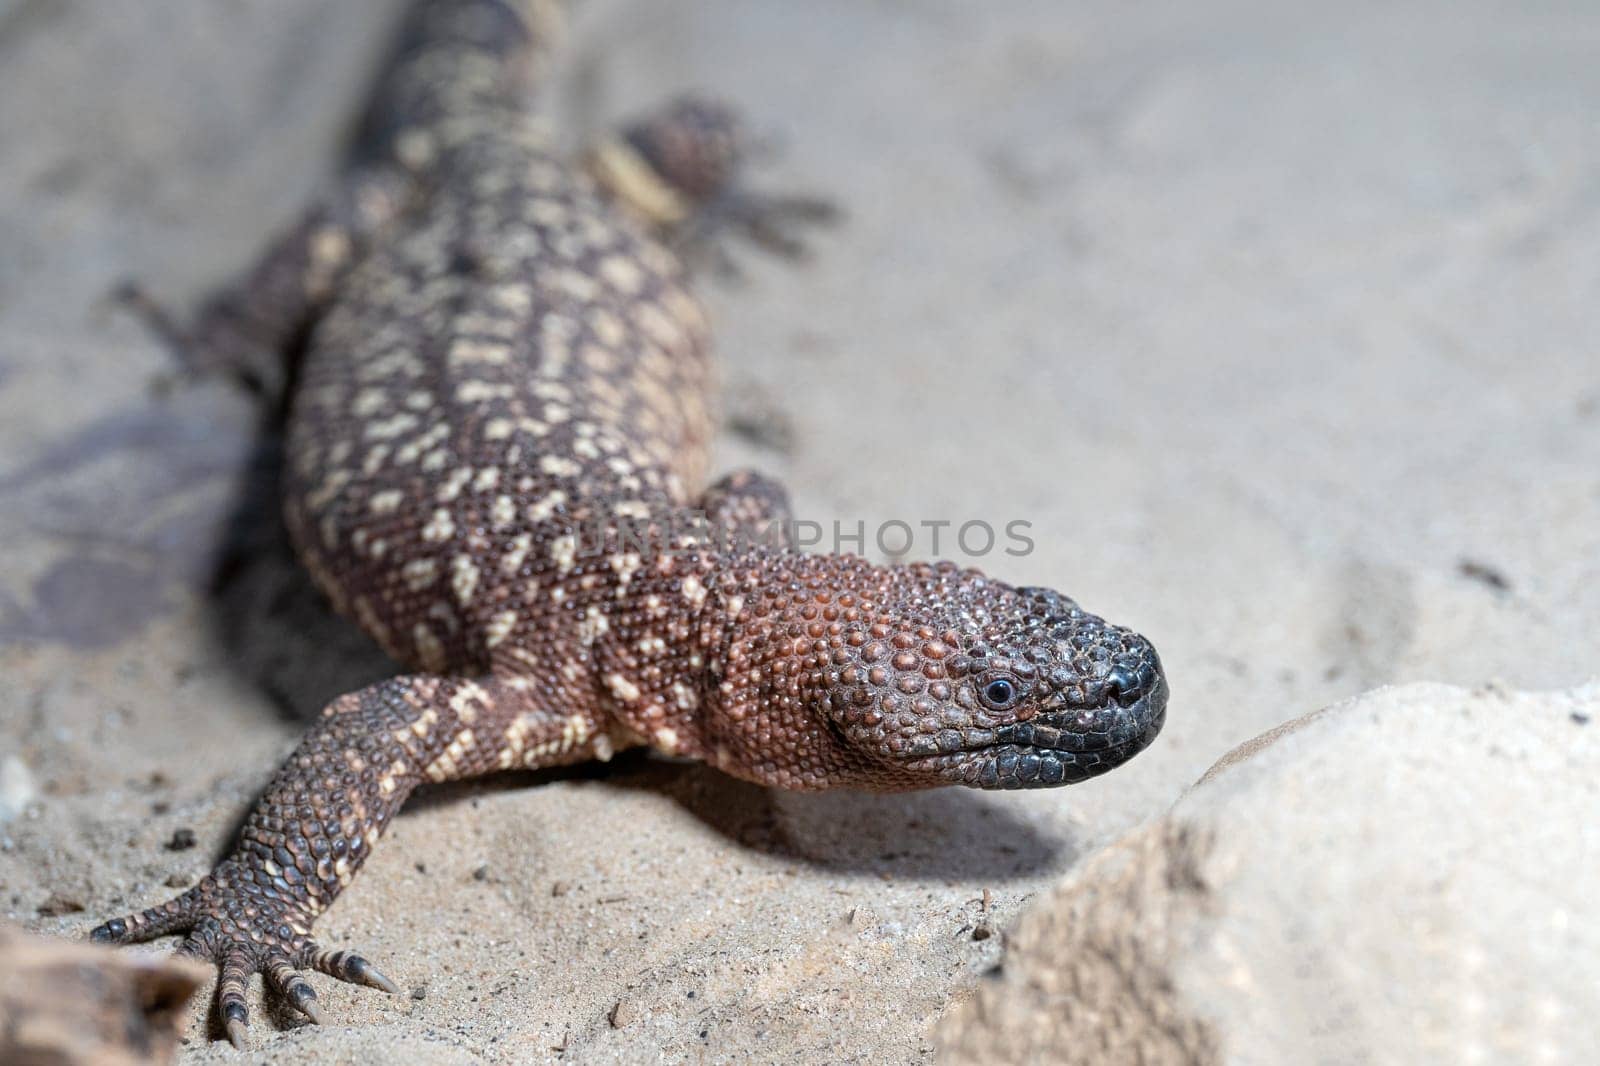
point(239, 1033)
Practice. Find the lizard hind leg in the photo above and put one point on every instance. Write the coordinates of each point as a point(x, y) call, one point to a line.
point(682, 169)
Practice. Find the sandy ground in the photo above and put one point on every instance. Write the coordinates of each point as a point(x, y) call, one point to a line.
point(1277, 322)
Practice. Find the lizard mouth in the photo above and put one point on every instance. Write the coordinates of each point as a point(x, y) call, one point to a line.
point(1058, 747)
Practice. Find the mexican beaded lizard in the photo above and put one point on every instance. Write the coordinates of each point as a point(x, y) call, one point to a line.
point(502, 351)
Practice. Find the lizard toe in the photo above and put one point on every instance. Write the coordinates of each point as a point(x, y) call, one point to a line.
point(286, 980)
point(347, 966)
point(177, 915)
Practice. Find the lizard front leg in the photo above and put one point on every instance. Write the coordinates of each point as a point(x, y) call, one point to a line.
point(324, 811)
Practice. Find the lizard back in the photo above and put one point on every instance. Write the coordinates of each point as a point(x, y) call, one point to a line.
point(514, 357)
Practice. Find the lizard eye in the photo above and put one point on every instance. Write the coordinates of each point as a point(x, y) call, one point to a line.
point(999, 693)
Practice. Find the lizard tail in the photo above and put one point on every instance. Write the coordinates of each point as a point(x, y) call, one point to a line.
point(456, 58)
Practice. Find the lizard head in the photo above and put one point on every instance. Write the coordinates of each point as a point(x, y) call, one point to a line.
point(967, 680)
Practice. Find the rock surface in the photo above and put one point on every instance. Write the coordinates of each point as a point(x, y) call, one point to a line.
point(78, 1005)
point(1276, 321)
point(1404, 878)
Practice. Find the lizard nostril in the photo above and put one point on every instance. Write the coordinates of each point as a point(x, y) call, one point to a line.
point(1127, 684)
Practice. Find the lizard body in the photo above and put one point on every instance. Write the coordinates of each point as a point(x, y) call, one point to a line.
point(502, 355)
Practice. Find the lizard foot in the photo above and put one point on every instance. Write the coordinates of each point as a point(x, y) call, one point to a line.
point(682, 169)
point(768, 221)
point(236, 919)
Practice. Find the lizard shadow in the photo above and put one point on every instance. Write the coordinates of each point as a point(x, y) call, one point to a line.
point(274, 626)
point(180, 489)
point(938, 835)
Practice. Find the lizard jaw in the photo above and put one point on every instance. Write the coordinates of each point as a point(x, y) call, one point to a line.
point(1042, 754)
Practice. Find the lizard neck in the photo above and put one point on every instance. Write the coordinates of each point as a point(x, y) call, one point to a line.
point(774, 624)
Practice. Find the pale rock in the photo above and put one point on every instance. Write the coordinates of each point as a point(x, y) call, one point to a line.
point(1404, 878)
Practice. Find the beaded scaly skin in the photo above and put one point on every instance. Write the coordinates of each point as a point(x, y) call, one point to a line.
point(500, 419)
